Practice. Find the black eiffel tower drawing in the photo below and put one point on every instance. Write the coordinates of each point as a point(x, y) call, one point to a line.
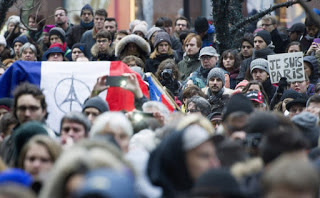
point(72, 96)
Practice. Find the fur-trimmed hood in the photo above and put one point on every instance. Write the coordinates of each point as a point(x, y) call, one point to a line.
point(142, 44)
point(95, 51)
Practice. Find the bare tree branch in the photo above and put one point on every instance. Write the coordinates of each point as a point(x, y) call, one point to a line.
point(4, 7)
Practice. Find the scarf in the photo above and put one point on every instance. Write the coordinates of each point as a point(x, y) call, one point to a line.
point(86, 26)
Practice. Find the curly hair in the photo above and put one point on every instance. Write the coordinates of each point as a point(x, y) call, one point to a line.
point(168, 64)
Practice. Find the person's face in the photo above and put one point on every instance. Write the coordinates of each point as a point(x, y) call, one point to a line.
point(11, 27)
point(76, 53)
point(201, 159)
point(139, 33)
point(234, 123)
point(37, 160)
point(132, 63)
point(60, 17)
point(300, 86)
point(55, 39)
point(32, 23)
point(55, 57)
point(28, 55)
point(259, 75)
point(3, 111)
point(228, 62)
point(294, 48)
point(168, 29)
point(103, 44)
point(215, 84)
point(284, 103)
point(180, 25)
point(132, 48)
point(110, 26)
point(153, 37)
point(312, 30)
point(29, 108)
point(45, 37)
point(294, 36)
point(282, 192)
point(16, 48)
point(254, 87)
point(98, 22)
point(258, 106)
point(259, 43)
point(120, 136)
point(307, 68)
point(191, 108)
point(246, 49)
point(91, 113)
point(295, 110)
point(73, 130)
point(191, 47)
point(314, 108)
point(267, 25)
point(163, 47)
point(208, 62)
point(86, 16)
point(1, 48)
point(119, 37)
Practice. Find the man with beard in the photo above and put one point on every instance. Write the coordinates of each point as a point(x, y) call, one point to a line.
point(216, 93)
point(61, 20)
point(86, 23)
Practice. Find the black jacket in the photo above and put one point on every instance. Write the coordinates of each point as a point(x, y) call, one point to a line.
point(153, 64)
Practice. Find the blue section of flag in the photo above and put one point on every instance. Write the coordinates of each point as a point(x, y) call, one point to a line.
point(154, 92)
point(18, 72)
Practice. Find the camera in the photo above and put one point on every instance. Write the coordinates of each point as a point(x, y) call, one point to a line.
point(166, 74)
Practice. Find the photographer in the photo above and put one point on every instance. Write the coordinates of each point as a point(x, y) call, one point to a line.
point(168, 75)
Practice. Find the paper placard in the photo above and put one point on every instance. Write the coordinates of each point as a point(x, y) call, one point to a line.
point(289, 65)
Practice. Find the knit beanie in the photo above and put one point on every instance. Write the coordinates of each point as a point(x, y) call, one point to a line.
point(307, 122)
point(82, 47)
point(96, 102)
point(6, 103)
point(151, 31)
point(3, 41)
point(87, 7)
point(265, 35)
point(201, 24)
point(259, 63)
point(59, 32)
point(142, 28)
point(160, 37)
point(289, 93)
point(47, 28)
point(13, 19)
point(237, 103)
point(216, 73)
point(22, 39)
point(242, 84)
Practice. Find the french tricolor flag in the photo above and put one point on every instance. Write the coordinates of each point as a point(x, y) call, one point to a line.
point(66, 85)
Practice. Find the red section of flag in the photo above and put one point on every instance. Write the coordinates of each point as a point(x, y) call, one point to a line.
point(165, 102)
point(118, 98)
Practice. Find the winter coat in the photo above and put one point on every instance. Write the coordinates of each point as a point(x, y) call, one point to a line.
point(306, 42)
point(269, 89)
point(75, 34)
point(152, 64)
point(207, 40)
point(188, 65)
point(218, 100)
point(100, 56)
point(167, 166)
point(245, 65)
point(142, 44)
point(314, 77)
point(89, 38)
point(199, 77)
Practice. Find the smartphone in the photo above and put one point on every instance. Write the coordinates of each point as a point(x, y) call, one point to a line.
point(116, 81)
point(316, 40)
point(139, 115)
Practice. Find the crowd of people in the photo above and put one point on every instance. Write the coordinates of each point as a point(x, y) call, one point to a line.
point(233, 133)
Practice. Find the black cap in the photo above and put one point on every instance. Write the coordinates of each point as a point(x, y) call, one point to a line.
point(302, 99)
point(297, 27)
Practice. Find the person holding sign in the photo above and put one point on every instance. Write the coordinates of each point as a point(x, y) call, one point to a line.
point(260, 72)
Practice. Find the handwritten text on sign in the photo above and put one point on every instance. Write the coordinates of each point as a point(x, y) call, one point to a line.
point(289, 65)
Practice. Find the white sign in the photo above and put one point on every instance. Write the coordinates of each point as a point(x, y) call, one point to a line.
point(289, 65)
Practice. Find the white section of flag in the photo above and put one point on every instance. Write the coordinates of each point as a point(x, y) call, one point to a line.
point(57, 79)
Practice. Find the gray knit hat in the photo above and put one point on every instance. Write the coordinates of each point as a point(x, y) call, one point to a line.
point(96, 102)
point(216, 73)
point(151, 31)
point(162, 36)
point(259, 63)
point(59, 32)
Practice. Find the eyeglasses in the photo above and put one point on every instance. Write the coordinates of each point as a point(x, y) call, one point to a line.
point(102, 41)
point(25, 108)
point(192, 110)
point(206, 57)
point(183, 25)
